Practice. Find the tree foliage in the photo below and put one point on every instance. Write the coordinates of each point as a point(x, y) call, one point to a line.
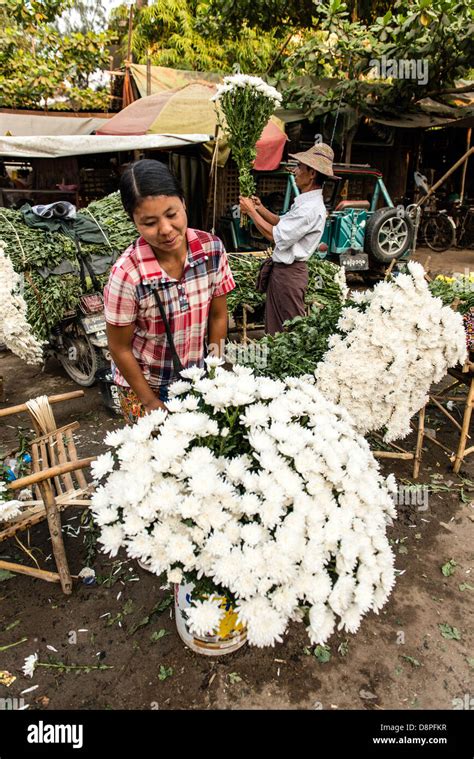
point(286, 14)
point(179, 34)
point(41, 67)
point(438, 32)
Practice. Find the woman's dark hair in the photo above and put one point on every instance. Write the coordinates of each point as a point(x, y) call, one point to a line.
point(145, 178)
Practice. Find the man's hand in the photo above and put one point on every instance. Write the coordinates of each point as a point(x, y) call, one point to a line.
point(246, 205)
point(256, 201)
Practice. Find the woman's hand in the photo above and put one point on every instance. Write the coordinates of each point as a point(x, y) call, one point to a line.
point(256, 201)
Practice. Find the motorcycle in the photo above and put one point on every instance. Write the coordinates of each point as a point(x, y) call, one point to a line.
point(79, 343)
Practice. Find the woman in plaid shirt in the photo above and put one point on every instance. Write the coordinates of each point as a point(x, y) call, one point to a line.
point(190, 272)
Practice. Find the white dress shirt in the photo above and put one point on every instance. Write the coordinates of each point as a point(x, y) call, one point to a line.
point(299, 231)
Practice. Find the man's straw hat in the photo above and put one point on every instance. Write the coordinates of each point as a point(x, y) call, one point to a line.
point(319, 157)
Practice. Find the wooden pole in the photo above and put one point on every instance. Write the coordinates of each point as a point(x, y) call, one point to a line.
point(464, 168)
point(148, 74)
point(393, 455)
point(54, 524)
point(419, 443)
point(445, 176)
point(446, 413)
point(53, 471)
point(465, 428)
point(42, 574)
point(52, 399)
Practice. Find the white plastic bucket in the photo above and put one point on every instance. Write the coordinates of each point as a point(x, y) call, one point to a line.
point(230, 637)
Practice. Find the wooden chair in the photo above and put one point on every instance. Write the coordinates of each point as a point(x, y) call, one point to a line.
point(57, 481)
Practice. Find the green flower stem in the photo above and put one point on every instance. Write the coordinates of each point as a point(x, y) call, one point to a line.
point(10, 645)
point(70, 667)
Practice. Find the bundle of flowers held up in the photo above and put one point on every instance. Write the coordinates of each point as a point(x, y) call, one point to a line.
point(15, 330)
point(398, 340)
point(260, 488)
point(247, 103)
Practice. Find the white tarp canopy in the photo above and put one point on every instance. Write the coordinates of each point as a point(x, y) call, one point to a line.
point(55, 146)
point(23, 124)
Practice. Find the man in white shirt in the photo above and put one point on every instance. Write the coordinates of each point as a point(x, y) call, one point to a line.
point(296, 236)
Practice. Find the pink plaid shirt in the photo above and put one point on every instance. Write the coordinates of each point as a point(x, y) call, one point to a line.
point(129, 299)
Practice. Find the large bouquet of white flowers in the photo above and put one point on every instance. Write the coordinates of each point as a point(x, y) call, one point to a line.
point(15, 330)
point(263, 488)
point(398, 340)
point(247, 103)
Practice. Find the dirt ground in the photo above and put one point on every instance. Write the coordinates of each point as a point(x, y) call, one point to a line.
point(398, 659)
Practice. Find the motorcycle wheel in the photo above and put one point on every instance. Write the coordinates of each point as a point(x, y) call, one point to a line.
point(80, 359)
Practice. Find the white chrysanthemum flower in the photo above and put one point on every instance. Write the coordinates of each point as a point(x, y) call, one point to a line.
point(306, 495)
point(382, 377)
point(265, 625)
point(115, 438)
point(9, 510)
point(178, 388)
point(103, 465)
point(112, 538)
point(30, 665)
point(175, 576)
point(193, 373)
point(321, 624)
point(15, 330)
point(205, 617)
point(212, 362)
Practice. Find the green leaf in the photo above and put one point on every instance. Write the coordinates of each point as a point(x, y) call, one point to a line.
point(165, 672)
point(143, 622)
point(164, 604)
point(160, 607)
point(451, 633)
point(5, 575)
point(470, 661)
point(234, 678)
point(403, 549)
point(157, 635)
point(413, 662)
point(322, 654)
point(128, 607)
point(466, 586)
point(448, 568)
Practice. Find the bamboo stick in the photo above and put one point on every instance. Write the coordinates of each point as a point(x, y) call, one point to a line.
point(468, 451)
point(445, 176)
point(433, 440)
point(71, 447)
point(31, 479)
point(54, 461)
point(66, 478)
point(54, 524)
point(465, 428)
point(36, 465)
point(393, 455)
point(397, 447)
point(37, 513)
point(419, 443)
point(42, 574)
point(52, 399)
point(446, 413)
point(67, 428)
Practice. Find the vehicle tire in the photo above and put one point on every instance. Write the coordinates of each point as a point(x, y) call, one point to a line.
point(80, 359)
point(439, 232)
point(388, 236)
